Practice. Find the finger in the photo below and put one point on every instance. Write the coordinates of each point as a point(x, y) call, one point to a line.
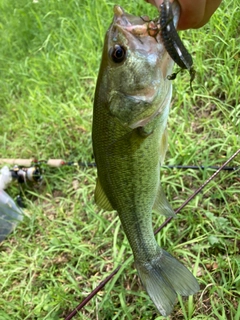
point(196, 15)
point(211, 7)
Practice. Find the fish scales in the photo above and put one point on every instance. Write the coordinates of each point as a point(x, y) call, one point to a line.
point(131, 106)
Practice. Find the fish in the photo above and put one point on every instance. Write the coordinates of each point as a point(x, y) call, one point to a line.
point(129, 137)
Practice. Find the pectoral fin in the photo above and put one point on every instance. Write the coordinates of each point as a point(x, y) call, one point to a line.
point(163, 146)
point(161, 205)
point(101, 198)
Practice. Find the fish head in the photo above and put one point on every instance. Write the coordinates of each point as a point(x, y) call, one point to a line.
point(135, 65)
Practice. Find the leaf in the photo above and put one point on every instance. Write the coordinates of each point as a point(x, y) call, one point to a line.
point(213, 240)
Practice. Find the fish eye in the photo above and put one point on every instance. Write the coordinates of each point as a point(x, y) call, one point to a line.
point(117, 53)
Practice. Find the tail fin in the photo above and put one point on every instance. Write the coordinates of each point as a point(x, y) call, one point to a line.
point(164, 277)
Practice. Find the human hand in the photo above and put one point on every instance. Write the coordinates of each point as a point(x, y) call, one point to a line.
point(194, 14)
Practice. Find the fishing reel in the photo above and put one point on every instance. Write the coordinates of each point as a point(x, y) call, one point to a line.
point(24, 175)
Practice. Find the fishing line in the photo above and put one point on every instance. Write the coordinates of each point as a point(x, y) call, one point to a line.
point(108, 278)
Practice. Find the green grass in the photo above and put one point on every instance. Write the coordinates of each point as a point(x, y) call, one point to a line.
point(49, 59)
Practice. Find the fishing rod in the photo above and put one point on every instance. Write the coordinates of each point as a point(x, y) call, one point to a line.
point(201, 167)
point(167, 221)
point(35, 172)
point(26, 171)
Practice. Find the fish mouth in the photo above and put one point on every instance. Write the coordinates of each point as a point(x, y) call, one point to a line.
point(139, 26)
point(126, 19)
point(127, 23)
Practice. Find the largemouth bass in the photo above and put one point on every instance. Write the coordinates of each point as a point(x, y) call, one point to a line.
point(131, 106)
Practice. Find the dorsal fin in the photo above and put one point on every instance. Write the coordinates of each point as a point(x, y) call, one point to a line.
point(161, 204)
point(101, 198)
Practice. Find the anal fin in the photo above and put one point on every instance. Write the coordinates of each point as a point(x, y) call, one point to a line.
point(161, 204)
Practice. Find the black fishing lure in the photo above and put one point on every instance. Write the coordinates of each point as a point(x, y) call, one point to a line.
point(173, 43)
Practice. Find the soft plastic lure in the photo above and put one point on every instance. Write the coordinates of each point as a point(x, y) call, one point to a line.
point(173, 43)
